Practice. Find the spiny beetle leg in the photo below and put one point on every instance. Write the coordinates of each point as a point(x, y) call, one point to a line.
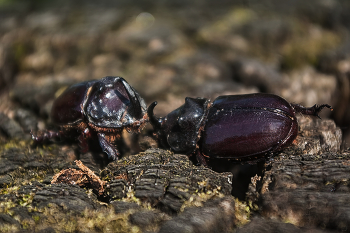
point(45, 136)
point(108, 147)
point(314, 110)
point(83, 140)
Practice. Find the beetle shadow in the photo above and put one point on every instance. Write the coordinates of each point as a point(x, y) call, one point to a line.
point(242, 174)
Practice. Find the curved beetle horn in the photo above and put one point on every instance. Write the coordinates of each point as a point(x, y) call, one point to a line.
point(155, 122)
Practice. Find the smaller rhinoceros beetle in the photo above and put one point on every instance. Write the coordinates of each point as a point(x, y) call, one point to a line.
point(239, 127)
point(99, 109)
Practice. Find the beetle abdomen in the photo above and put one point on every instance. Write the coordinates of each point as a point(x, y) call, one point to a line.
point(68, 107)
point(244, 132)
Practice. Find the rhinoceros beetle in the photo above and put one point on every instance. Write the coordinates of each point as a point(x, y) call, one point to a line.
point(99, 109)
point(239, 127)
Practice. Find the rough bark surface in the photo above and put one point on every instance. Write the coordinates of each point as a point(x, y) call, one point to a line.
point(305, 185)
point(167, 51)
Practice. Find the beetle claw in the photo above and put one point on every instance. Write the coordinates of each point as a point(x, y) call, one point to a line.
point(314, 110)
point(318, 109)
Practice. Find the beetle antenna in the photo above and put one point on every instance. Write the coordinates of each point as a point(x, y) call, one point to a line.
point(155, 122)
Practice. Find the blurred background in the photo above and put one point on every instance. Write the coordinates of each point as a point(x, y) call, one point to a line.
point(168, 50)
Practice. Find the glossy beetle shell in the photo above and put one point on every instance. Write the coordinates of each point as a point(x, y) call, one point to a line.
point(98, 109)
point(113, 103)
point(241, 127)
point(68, 107)
point(110, 102)
point(244, 126)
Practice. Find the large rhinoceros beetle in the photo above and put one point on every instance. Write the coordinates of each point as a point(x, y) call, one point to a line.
point(99, 109)
point(239, 127)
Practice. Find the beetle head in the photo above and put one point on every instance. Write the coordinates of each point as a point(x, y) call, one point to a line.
point(180, 129)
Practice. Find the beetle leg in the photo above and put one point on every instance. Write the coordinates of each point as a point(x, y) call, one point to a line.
point(108, 147)
point(201, 159)
point(45, 136)
point(314, 110)
point(83, 140)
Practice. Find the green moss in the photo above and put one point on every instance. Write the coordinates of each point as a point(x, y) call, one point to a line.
point(9, 190)
point(130, 197)
point(36, 218)
point(23, 176)
point(13, 144)
point(199, 198)
point(25, 199)
point(242, 212)
point(102, 220)
point(5, 206)
point(8, 228)
point(14, 200)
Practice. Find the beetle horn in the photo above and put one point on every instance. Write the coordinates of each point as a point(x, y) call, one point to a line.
point(138, 104)
point(155, 122)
